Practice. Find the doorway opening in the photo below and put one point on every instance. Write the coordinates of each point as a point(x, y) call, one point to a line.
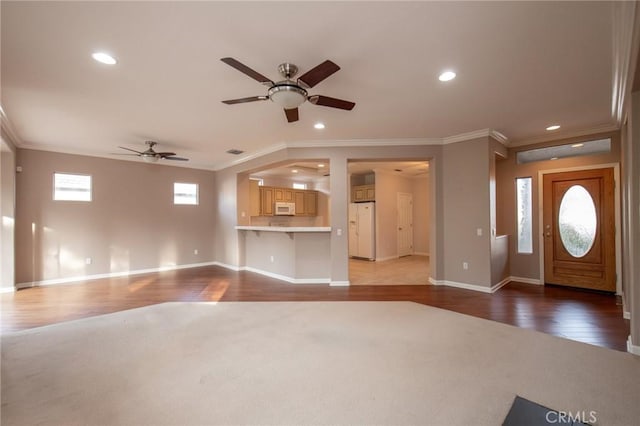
point(389, 222)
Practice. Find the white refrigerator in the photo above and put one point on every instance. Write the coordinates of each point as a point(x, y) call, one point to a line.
point(362, 230)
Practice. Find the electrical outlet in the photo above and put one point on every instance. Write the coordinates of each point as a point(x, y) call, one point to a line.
point(271, 258)
point(88, 261)
point(479, 232)
point(195, 251)
point(243, 214)
point(339, 232)
point(465, 265)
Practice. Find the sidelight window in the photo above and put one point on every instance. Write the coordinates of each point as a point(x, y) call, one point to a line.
point(525, 220)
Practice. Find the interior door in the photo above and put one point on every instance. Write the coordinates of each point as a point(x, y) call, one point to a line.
point(405, 224)
point(579, 229)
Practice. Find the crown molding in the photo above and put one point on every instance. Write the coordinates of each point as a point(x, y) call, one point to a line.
point(8, 130)
point(70, 151)
point(483, 133)
point(349, 143)
point(624, 17)
point(605, 128)
point(362, 143)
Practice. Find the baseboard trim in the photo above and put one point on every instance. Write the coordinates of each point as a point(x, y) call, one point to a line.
point(77, 279)
point(501, 284)
point(534, 281)
point(467, 286)
point(286, 278)
point(7, 290)
point(631, 348)
point(340, 284)
point(419, 253)
point(382, 259)
point(227, 266)
point(626, 315)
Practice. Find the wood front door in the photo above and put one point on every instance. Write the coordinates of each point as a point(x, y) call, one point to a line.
point(579, 229)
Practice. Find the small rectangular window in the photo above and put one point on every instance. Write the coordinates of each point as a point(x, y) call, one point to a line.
point(525, 222)
point(185, 193)
point(299, 185)
point(69, 187)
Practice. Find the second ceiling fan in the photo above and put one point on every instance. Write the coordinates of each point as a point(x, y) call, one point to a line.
point(290, 94)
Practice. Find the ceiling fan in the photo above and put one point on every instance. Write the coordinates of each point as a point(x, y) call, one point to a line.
point(290, 94)
point(151, 156)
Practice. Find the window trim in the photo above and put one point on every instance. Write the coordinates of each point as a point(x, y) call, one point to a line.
point(53, 195)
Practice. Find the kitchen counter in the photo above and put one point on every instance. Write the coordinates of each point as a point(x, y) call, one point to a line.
point(295, 254)
point(285, 228)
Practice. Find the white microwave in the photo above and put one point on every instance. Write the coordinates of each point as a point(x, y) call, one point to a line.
point(284, 209)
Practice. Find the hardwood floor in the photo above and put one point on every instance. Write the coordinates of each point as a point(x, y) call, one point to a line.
point(412, 269)
point(574, 314)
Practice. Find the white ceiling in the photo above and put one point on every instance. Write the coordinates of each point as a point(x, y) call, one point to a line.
point(521, 66)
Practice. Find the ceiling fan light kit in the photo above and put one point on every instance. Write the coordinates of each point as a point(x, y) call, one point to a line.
point(290, 94)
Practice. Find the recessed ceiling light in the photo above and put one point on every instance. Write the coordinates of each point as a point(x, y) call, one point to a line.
point(319, 126)
point(294, 171)
point(553, 158)
point(104, 58)
point(320, 165)
point(554, 127)
point(577, 145)
point(447, 76)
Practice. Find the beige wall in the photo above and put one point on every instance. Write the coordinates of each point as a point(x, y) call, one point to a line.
point(528, 265)
point(499, 243)
point(7, 214)
point(421, 215)
point(130, 225)
point(467, 209)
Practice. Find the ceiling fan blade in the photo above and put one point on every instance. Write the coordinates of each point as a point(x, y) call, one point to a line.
point(165, 154)
point(129, 149)
point(331, 102)
point(243, 100)
point(317, 74)
point(292, 114)
point(246, 70)
point(174, 158)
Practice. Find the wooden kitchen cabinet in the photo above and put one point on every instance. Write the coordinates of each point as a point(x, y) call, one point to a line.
point(283, 194)
point(266, 201)
point(299, 200)
point(254, 198)
point(310, 203)
point(306, 202)
point(362, 193)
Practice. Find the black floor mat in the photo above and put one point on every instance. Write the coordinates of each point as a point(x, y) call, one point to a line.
point(527, 413)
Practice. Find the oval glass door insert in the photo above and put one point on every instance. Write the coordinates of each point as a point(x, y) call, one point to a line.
point(577, 221)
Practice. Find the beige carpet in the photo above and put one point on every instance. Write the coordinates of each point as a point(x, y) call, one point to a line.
point(303, 363)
